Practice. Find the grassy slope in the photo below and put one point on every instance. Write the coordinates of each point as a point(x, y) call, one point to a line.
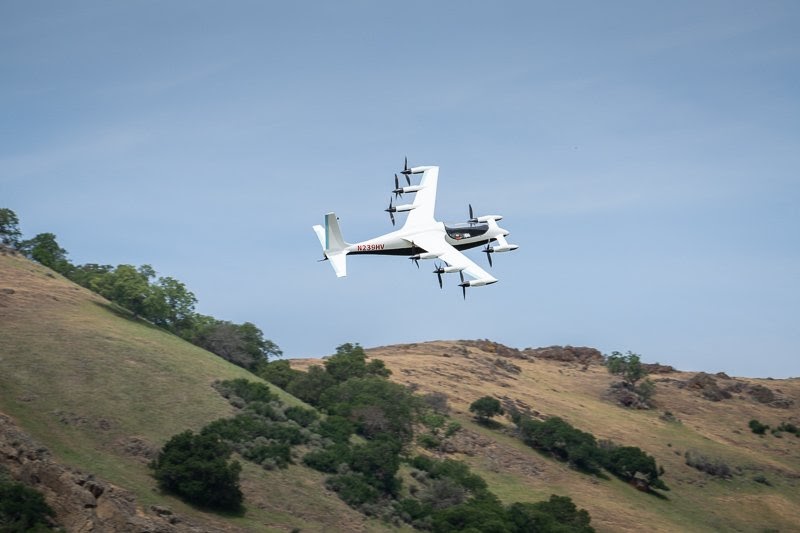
point(83, 379)
point(696, 502)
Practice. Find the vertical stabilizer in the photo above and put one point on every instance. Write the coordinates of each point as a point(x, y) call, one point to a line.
point(333, 245)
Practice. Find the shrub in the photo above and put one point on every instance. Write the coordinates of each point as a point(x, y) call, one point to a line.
point(353, 489)
point(304, 417)
point(564, 441)
point(279, 453)
point(249, 391)
point(279, 373)
point(630, 463)
point(328, 459)
point(337, 428)
point(196, 468)
point(22, 508)
point(757, 427)
point(429, 441)
point(486, 408)
point(713, 467)
point(558, 514)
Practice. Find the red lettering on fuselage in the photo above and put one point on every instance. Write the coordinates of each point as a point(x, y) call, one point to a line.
point(369, 247)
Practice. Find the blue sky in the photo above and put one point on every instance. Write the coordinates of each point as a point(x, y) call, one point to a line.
point(645, 156)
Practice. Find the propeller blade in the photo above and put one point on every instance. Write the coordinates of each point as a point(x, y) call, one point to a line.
point(472, 219)
point(390, 210)
point(406, 171)
point(439, 271)
point(416, 260)
point(463, 284)
point(488, 251)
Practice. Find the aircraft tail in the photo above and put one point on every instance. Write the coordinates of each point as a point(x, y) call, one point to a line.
point(333, 245)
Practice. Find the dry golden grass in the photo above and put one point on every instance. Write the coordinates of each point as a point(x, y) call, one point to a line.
point(577, 393)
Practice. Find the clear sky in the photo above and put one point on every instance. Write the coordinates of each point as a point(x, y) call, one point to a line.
point(645, 156)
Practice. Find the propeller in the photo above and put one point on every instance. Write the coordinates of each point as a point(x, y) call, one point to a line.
point(414, 254)
point(489, 251)
point(472, 219)
point(406, 171)
point(439, 271)
point(390, 210)
point(398, 192)
point(463, 284)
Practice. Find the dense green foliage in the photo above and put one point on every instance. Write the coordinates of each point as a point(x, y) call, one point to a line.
point(10, 235)
point(22, 509)
point(196, 468)
point(757, 427)
point(44, 249)
point(486, 408)
point(163, 301)
point(582, 451)
point(565, 442)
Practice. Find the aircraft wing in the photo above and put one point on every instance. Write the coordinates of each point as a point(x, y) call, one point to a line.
point(433, 242)
point(424, 200)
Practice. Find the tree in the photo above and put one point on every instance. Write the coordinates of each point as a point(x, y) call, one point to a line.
point(171, 305)
point(128, 287)
point(376, 405)
point(196, 468)
point(84, 275)
point(485, 408)
point(556, 515)
point(44, 249)
point(628, 366)
point(22, 509)
point(632, 464)
point(350, 361)
point(10, 234)
point(310, 385)
point(241, 344)
point(279, 373)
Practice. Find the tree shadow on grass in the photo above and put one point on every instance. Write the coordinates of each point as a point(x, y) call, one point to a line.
point(121, 312)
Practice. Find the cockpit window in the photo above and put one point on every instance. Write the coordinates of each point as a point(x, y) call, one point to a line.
point(465, 231)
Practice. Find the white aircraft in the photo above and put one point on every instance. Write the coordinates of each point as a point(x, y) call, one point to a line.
point(422, 237)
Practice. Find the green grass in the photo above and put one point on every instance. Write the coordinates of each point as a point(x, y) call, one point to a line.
point(66, 354)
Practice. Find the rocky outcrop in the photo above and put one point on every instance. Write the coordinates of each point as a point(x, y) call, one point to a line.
point(708, 386)
point(81, 501)
point(567, 354)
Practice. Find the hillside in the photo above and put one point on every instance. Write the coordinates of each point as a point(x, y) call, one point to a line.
point(88, 394)
point(101, 392)
point(575, 389)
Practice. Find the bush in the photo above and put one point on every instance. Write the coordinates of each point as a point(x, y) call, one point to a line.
point(564, 441)
point(328, 459)
point(22, 509)
point(558, 514)
point(279, 373)
point(249, 391)
point(714, 467)
point(630, 463)
point(279, 454)
point(429, 441)
point(196, 468)
point(757, 427)
point(353, 489)
point(485, 408)
point(337, 428)
point(304, 417)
